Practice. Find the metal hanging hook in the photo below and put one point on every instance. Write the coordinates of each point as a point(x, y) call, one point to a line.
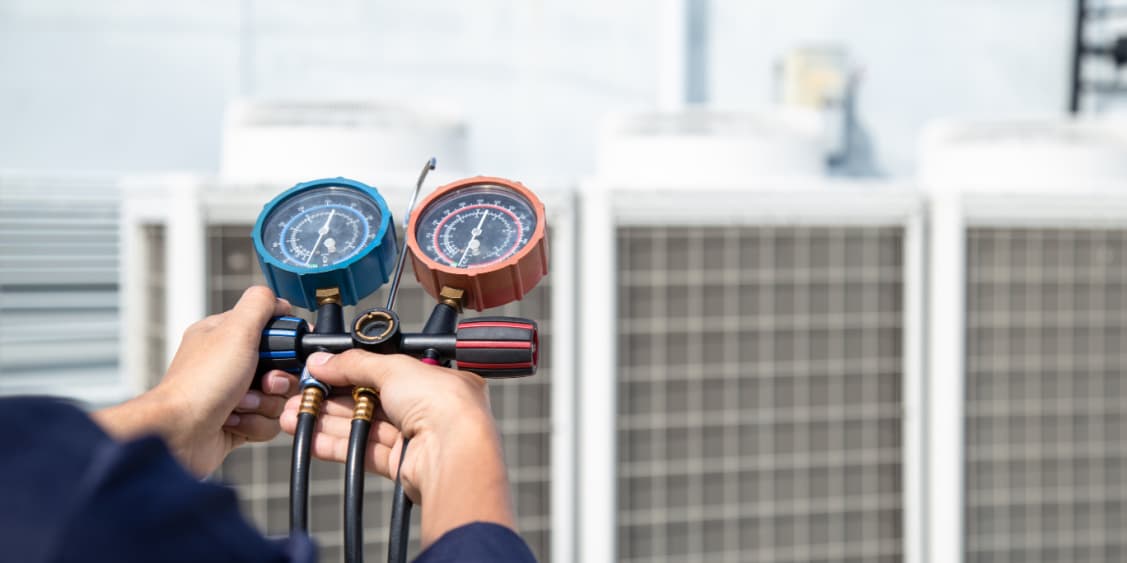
point(393, 291)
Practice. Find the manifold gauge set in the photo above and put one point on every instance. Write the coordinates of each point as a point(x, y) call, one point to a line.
point(474, 243)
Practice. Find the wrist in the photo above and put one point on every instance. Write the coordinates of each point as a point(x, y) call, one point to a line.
point(148, 413)
point(466, 480)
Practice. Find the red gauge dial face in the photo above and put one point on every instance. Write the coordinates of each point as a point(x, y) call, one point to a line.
point(476, 227)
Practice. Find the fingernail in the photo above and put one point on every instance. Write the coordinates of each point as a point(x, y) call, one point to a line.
point(281, 386)
point(284, 300)
point(250, 401)
point(318, 358)
point(232, 420)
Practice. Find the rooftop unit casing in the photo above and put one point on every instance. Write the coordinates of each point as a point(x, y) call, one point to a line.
point(1022, 155)
point(1027, 270)
point(704, 147)
point(286, 141)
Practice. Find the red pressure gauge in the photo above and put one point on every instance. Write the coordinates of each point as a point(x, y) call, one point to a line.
point(482, 235)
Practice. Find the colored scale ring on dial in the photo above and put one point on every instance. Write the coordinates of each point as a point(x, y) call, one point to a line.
point(506, 253)
point(485, 207)
point(333, 232)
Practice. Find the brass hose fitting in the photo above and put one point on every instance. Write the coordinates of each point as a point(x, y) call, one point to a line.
point(365, 403)
point(311, 399)
point(328, 295)
point(452, 297)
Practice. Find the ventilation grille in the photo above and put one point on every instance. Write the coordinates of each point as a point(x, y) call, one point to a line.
point(1046, 398)
point(59, 268)
point(759, 392)
point(261, 473)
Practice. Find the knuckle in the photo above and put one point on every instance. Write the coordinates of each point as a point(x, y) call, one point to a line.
point(197, 328)
point(260, 291)
point(353, 357)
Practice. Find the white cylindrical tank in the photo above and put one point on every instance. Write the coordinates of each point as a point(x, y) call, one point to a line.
point(1023, 155)
point(699, 147)
point(290, 141)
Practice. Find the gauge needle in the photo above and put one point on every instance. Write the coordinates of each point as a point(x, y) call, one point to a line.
point(475, 232)
point(324, 230)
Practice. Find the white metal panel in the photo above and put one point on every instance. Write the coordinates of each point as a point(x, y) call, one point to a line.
point(307, 139)
point(564, 262)
point(701, 147)
point(59, 318)
point(1008, 198)
point(1054, 155)
point(1005, 276)
point(606, 209)
point(598, 390)
point(945, 381)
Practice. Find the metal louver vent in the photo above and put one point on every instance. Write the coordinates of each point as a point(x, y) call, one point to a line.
point(1046, 441)
point(59, 320)
point(760, 394)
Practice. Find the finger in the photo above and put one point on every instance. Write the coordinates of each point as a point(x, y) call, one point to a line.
point(253, 427)
point(281, 307)
point(382, 432)
point(357, 367)
point(280, 383)
point(288, 420)
point(336, 406)
point(341, 405)
point(254, 308)
point(333, 448)
point(270, 406)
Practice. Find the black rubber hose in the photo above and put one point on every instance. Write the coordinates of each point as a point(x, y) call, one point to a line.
point(330, 320)
point(299, 473)
point(354, 491)
point(400, 515)
point(443, 320)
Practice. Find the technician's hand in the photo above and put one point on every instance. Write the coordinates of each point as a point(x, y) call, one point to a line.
point(202, 407)
point(454, 468)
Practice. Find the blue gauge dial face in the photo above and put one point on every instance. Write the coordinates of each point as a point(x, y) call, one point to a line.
point(475, 227)
point(321, 227)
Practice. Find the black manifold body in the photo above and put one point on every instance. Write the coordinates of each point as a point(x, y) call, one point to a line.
point(492, 347)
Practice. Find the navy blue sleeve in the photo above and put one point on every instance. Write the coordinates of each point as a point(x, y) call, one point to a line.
point(479, 542)
point(74, 494)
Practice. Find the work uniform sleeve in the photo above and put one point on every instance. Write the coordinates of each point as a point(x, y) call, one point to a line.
point(80, 496)
point(479, 542)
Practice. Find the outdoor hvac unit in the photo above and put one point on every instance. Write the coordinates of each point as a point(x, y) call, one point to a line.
point(750, 382)
point(1028, 332)
point(711, 146)
point(59, 288)
point(210, 238)
point(279, 140)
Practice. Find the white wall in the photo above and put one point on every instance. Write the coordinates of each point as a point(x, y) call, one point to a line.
point(134, 85)
point(923, 59)
point(137, 85)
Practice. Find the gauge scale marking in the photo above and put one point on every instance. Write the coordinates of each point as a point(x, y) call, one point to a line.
point(321, 228)
point(326, 233)
point(484, 236)
point(476, 228)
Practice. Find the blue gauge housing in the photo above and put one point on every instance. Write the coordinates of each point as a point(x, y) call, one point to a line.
point(311, 217)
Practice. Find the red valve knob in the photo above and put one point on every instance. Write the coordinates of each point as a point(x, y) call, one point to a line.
point(498, 347)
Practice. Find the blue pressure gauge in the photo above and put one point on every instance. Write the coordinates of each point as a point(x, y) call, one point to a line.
point(322, 234)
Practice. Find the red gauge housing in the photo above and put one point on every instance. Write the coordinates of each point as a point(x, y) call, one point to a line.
point(495, 282)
